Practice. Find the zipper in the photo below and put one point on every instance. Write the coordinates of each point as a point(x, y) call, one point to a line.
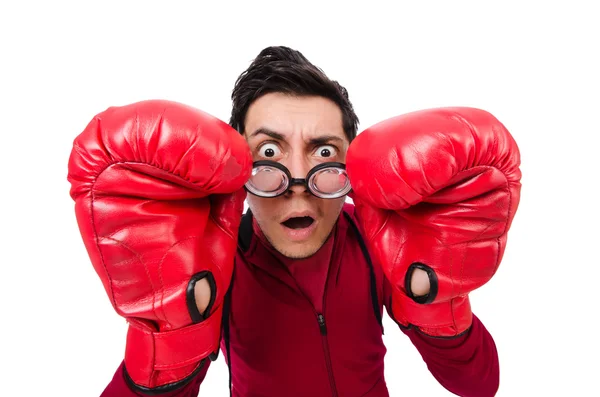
point(323, 329)
point(322, 325)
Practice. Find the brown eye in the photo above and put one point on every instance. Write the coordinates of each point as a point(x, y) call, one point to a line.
point(325, 151)
point(269, 150)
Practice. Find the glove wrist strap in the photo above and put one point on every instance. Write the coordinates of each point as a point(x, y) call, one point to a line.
point(440, 319)
point(155, 359)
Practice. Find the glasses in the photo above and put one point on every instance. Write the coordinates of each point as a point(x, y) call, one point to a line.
point(271, 179)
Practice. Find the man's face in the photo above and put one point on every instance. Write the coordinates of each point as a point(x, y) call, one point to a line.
point(300, 133)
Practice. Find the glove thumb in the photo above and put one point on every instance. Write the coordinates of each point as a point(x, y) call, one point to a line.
point(371, 219)
point(226, 211)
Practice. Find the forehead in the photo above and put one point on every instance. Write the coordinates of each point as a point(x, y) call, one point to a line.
point(306, 116)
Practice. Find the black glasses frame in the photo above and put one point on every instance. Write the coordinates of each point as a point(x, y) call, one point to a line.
point(297, 181)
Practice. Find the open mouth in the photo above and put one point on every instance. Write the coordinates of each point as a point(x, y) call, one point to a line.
point(299, 222)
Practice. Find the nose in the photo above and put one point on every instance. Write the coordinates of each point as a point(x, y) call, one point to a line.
point(298, 189)
point(299, 168)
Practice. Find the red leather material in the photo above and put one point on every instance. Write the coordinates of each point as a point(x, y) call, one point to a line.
point(279, 350)
point(438, 187)
point(174, 349)
point(158, 190)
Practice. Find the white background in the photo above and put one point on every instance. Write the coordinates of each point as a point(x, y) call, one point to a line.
point(533, 64)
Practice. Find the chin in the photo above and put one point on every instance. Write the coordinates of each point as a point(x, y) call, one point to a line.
point(298, 253)
point(300, 249)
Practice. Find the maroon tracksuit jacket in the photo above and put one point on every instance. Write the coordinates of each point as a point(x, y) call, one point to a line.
point(279, 339)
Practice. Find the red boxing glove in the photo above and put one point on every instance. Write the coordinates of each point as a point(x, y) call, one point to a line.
point(158, 190)
point(436, 190)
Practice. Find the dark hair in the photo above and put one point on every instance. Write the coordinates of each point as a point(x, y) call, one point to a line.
point(282, 69)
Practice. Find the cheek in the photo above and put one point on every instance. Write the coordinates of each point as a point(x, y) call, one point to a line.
point(263, 209)
point(256, 204)
point(331, 209)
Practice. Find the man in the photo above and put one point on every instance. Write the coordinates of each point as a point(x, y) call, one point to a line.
point(293, 292)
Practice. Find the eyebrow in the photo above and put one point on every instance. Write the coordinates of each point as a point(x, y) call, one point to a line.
point(320, 140)
point(323, 139)
point(268, 132)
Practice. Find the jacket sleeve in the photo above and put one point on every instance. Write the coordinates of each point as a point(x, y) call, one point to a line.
point(466, 365)
point(118, 386)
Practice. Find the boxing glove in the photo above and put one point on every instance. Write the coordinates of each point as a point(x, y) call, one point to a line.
point(436, 190)
point(158, 191)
